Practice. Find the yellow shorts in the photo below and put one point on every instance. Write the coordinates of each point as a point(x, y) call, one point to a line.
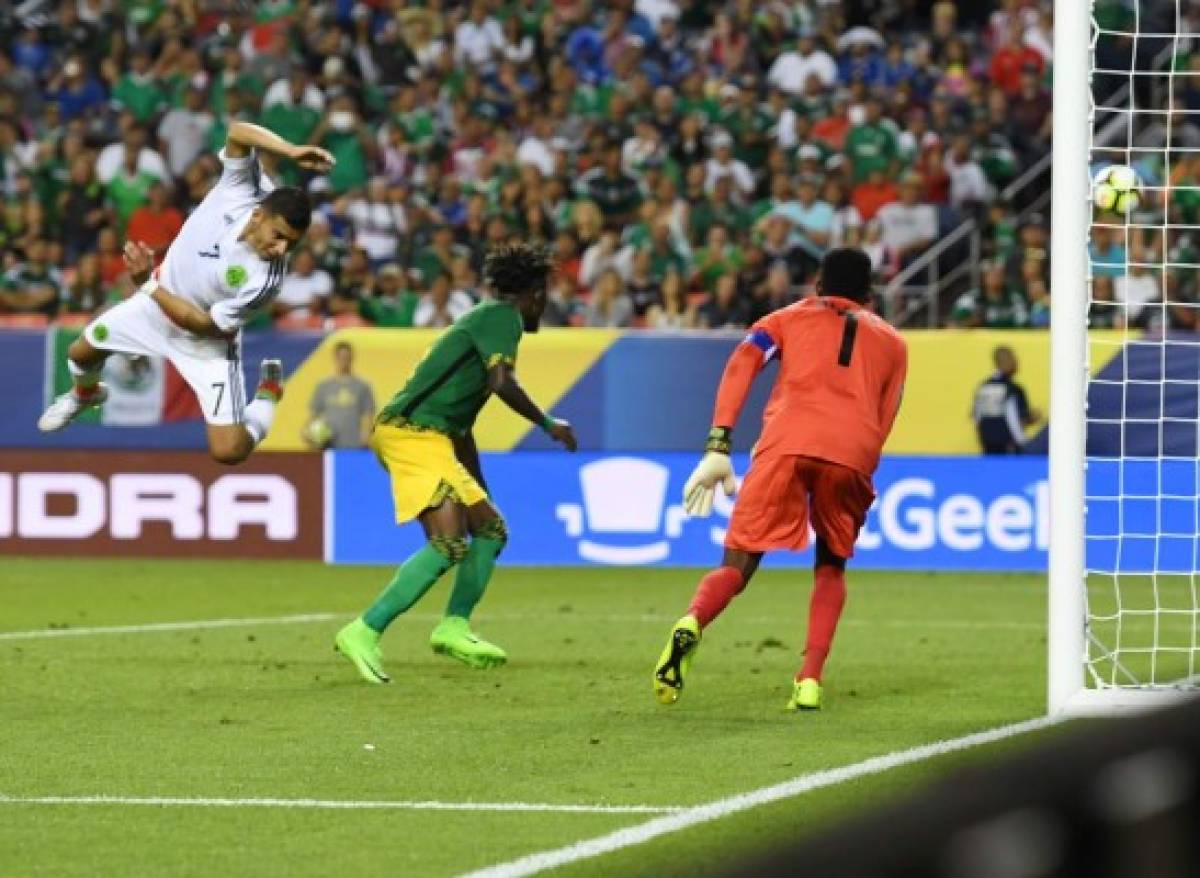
point(424, 470)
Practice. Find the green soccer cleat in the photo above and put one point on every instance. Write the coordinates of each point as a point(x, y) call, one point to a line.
point(806, 695)
point(453, 637)
point(675, 660)
point(359, 642)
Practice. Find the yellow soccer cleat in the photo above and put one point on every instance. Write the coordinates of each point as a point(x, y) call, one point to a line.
point(806, 695)
point(675, 660)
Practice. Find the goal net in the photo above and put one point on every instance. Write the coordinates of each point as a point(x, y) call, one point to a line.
point(1129, 418)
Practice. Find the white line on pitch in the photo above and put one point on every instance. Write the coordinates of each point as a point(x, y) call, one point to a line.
point(642, 832)
point(334, 804)
point(656, 618)
point(152, 627)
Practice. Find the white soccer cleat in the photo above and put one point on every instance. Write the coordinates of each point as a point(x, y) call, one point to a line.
point(66, 408)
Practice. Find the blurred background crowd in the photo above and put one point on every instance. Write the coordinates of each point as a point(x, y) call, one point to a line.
point(687, 161)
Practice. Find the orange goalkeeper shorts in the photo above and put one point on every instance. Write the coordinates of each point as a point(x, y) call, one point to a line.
point(781, 494)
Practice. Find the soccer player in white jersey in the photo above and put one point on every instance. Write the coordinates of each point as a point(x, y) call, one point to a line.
point(225, 265)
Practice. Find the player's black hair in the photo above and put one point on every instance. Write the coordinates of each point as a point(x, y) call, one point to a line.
point(846, 272)
point(290, 203)
point(514, 270)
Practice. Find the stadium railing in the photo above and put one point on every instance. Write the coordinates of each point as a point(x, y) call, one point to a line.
point(921, 286)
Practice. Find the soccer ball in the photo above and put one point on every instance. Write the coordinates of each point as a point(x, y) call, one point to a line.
point(318, 433)
point(1117, 188)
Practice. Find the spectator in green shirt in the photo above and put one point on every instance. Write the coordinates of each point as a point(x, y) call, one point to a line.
point(665, 256)
point(748, 121)
point(344, 133)
point(995, 306)
point(616, 193)
point(388, 302)
point(32, 286)
point(872, 144)
point(415, 121)
point(438, 257)
point(129, 189)
point(719, 206)
point(781, 195)
point(694, 99)
point(234, 77)
point(717, 257)
point(1185, 194)
point(142, 13)
point(292, 114)
point(294, 120)
point(139, 90)
point(50, 178)
point(993, 150)
point(592, 101)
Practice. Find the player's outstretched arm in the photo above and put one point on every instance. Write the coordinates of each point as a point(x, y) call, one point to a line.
point(716, 468)
point(139, 261)
point(184, 314)
point(743, 366)
point(246, 136)
point(502, 381)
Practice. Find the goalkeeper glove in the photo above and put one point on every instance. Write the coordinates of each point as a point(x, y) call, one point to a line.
point(714, 467)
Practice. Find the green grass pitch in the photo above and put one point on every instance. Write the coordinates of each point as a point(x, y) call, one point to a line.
point(268, 711)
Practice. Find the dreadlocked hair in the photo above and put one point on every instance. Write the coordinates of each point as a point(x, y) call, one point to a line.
point(516, 269)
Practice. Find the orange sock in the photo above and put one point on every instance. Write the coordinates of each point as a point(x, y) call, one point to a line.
point(824, 610)
point(714, 593)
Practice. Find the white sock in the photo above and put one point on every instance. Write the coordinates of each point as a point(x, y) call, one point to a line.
point(259, 416)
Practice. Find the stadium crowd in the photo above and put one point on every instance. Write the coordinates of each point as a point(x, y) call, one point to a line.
point(687, 161)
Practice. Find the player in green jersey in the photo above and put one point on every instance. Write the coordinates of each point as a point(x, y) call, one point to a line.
point(423, 438)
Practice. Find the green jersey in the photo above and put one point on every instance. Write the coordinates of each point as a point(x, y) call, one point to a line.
point(142, 96)
point(449, 385)
point(871, 148)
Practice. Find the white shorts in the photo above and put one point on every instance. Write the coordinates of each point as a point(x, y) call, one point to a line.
point(211, 366)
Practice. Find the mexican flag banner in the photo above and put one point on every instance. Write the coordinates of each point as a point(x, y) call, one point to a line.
point(142, 391)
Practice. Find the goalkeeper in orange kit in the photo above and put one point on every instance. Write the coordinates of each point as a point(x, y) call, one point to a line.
point(841, 375)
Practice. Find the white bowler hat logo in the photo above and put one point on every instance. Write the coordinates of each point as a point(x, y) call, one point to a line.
point(622, 495)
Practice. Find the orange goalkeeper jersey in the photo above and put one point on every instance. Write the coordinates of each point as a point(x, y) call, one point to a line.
point(841, 376)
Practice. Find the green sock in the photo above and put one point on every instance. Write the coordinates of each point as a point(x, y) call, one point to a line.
point(413, 578)
point(475, 570)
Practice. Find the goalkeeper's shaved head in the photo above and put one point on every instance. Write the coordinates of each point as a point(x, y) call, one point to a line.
point(519, 273)
point(846, 272)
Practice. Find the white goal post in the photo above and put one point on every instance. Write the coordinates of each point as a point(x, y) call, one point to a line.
point(1122, 631)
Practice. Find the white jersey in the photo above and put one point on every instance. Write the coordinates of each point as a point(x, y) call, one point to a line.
point(208, 266)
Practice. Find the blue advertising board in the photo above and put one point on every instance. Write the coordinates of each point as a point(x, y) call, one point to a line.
point(931, 513)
